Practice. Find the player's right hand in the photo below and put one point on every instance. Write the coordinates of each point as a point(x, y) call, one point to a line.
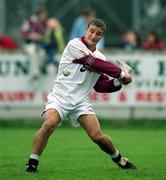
point(126, 79)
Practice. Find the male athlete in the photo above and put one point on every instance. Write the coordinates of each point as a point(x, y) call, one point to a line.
point(82, 68)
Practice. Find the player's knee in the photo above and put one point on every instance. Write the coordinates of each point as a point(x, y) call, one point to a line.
point(51, 122)
point(97, 137)
point(49, 127)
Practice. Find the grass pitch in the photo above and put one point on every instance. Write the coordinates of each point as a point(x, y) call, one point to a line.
point(70, 154)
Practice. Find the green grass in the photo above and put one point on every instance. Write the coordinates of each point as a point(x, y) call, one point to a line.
point(70, 154)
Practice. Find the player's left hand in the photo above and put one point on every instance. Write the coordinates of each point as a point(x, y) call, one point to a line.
point(126, 79)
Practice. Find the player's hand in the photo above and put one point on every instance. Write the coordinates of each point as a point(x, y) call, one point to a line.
point(126, 79)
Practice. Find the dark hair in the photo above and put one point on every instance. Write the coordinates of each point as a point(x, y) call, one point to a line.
point(99, 23)
point(41, 11)
point(89, 12)
point(155, 35)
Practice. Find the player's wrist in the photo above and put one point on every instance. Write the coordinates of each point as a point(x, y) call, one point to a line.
point(122, 74)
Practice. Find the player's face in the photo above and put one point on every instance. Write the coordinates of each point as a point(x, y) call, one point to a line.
point(93, 35)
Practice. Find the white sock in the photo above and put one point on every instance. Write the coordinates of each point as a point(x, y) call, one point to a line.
point(116, 154)
point(34, 156)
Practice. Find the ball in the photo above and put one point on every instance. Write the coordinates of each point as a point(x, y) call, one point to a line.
point(66, 72)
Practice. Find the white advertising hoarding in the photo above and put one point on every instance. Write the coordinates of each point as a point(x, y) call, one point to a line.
point(148, 88)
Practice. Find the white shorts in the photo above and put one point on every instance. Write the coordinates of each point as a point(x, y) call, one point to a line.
point(66, 109)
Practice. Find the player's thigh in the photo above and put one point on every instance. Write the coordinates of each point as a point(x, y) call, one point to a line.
point(51, 118)
point(91, 124)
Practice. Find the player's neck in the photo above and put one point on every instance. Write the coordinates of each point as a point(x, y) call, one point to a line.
point(92, 48)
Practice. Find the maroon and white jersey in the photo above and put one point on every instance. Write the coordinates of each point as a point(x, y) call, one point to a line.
point(72, 85)
point(32, 27)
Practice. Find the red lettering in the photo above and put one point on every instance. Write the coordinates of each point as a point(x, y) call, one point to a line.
point(11, 96)
point(123, 97)
point(21, 96)
point(16, 96)
point(99, 97)
point(31, 96)
point(139, 96)
point(105, 97)
point(150, 97)
point(93, 96)
point(1, 96)
point(159, 97)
